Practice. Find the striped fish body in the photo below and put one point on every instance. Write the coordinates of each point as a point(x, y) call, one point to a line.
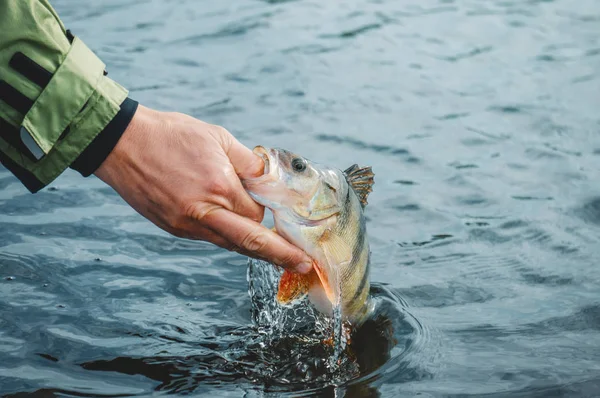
point(353, 271)
point(320, 209)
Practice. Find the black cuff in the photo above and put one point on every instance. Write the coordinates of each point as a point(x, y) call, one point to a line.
point(92, 157)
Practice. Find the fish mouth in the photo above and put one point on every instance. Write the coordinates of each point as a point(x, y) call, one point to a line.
point(269, 174)
point(264, 155)
point(265, 188)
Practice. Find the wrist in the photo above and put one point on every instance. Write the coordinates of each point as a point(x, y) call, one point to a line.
point(100, 148)
point(126, 147)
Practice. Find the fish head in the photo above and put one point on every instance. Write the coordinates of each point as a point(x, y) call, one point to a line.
point(296, 188)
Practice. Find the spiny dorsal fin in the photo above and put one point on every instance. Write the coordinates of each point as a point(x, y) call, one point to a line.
point(361, 180)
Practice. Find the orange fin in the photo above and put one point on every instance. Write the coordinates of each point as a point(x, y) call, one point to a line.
point(292, 286)
point(324, 281)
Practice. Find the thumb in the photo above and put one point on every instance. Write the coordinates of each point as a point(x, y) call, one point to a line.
point(244, 161)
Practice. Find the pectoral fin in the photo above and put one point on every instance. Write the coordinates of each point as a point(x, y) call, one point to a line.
point(336, 250)
point(338, 254)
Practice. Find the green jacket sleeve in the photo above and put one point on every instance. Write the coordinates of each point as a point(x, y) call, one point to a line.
point(46, 125)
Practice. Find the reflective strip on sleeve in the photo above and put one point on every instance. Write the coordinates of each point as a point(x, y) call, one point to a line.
point(62, 100)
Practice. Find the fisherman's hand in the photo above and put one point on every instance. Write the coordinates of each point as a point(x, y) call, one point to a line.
point(184, 176)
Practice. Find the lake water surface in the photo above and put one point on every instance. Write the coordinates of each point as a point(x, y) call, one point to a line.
point(481, 121)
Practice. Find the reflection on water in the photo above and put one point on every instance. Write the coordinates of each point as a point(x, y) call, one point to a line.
point(481, 121)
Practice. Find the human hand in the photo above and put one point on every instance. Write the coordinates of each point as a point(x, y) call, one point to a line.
point(184, 176)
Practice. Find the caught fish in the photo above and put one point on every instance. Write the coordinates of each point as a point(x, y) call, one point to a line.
point(320, 210)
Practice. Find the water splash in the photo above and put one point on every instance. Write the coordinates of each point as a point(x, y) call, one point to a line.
point(283, 350)
point(297, 320)
point(340, 329)
point(271, 318)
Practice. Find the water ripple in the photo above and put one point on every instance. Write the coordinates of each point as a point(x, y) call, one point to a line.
point(480, 121)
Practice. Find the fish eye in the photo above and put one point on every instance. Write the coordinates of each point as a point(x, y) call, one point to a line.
point(298, 165)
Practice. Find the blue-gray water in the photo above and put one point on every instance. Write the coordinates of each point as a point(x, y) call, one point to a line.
point(480, 119)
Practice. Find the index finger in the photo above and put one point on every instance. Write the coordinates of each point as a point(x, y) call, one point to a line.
point(256, 239)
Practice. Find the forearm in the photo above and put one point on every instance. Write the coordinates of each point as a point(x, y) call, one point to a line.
point(58, 109)
point(55, 100)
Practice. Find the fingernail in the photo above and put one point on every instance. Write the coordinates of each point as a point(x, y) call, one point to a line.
point(304, 267)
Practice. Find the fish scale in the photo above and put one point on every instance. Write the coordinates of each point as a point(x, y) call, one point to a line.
point(320, 209)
